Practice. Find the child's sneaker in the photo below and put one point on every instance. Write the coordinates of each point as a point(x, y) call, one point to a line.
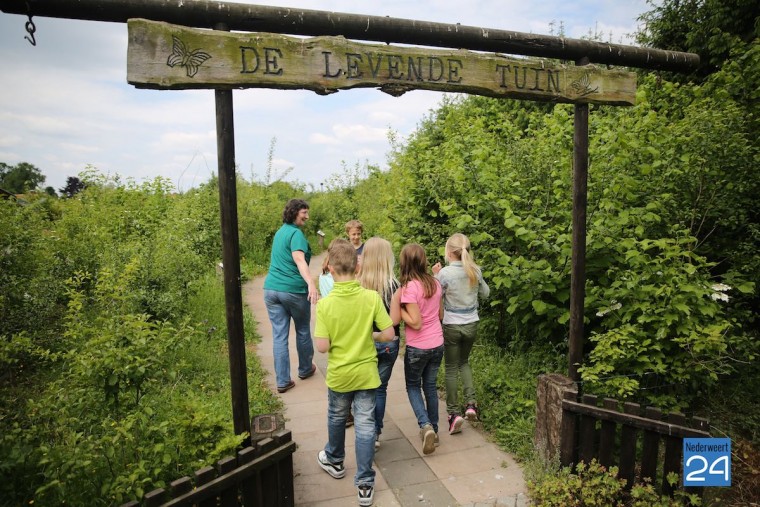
point(366, 495)
point(427, 434)
point(455, 423)
point(337, 470)
point(471, 413)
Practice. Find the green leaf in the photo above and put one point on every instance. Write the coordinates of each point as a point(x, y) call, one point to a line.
point(539, 306)
point(746, 287)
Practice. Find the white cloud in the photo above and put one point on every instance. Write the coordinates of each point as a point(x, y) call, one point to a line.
point(78, 148)
point(358, 133)
point(319, 138)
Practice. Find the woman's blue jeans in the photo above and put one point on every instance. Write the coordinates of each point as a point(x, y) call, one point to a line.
point(362, 405)
point(283, 306)
point(387, 353)
point(421, 369)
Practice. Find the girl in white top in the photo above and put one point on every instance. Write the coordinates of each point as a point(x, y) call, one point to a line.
point(462, 283)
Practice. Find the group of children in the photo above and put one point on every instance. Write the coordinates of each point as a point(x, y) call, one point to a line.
point(440, 316)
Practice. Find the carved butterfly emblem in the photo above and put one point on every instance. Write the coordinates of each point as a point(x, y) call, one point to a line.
point(583, 86)
point(190, 60)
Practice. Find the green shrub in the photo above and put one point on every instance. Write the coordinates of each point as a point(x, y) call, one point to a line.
point(592, 485)
point(131, 386)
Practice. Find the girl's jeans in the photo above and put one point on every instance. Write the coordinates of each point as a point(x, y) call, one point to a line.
point(338, 405)
point(421, 369)
point(282, 306)
point(457, 341)
point(386, 357)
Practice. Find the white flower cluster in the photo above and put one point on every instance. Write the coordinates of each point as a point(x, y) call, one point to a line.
point(719, 292)
point(614, 306)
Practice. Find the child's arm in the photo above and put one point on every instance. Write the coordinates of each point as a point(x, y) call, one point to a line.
point(483, 290)
point(321, 333)
point(386, 335)
point(410, 314)
point(395, 312)
point(322, 344)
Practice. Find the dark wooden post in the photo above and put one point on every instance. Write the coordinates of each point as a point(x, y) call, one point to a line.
point(578, 264)
point(567, 439)
point(628, 445)
point(225, 145)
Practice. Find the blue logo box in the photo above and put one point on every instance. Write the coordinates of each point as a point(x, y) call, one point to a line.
point(706, 461)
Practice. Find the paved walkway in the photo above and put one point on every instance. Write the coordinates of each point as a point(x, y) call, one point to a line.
point(465, 470)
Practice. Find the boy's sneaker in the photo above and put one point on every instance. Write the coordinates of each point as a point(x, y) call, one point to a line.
point(366, 495)
point(337, 470)
point(471, 413)
point(455, 424)
point(427, 434)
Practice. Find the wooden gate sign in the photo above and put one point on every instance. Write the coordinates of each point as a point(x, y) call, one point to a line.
point(173, 57)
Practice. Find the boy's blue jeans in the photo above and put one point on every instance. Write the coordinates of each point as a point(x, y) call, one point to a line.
point(421, 369)
point(282, 306)
point(387, 353)
point(363, 409)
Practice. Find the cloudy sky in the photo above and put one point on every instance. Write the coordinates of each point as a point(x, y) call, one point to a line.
point(65, 104)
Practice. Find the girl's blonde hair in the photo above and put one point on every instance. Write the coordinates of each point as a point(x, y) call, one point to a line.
point(377, 267)
point(458, 248)
point(413, 266)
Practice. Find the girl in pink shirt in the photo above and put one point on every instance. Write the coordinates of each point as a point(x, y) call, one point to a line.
point(418, 304)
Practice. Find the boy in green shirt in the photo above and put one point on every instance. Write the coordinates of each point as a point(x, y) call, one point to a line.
point(344, 329)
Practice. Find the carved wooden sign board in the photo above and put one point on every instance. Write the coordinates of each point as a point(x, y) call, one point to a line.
point(173, 57)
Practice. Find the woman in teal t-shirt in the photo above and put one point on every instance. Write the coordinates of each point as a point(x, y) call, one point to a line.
point(289, 292)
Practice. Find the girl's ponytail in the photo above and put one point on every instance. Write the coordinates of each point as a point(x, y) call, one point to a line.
point(458, 246)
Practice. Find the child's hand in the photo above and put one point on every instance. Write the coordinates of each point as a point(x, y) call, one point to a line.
point(436, 268)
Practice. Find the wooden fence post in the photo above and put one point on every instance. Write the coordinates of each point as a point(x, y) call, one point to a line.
point(607, 435)
point(628, 436)
point(673, 453)
point(650, 447)
point(568, 435)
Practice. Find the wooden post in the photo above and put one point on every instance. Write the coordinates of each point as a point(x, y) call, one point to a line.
point(628, 444)
point(607, 436)
point(673, 454)
point(225, 145)
point(578, 264)
point(567, 454)
point(650, 448)
point(587, 434)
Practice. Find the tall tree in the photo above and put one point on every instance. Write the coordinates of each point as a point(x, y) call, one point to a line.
point(73, 186)
point(20, 178)
point(714, 29)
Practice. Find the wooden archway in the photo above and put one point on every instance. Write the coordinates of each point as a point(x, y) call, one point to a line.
point(226, 16)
